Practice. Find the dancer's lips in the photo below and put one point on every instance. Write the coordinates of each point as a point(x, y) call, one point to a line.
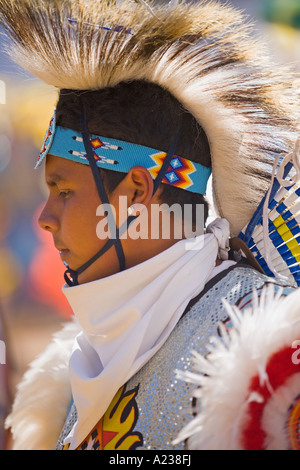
point(62, 251)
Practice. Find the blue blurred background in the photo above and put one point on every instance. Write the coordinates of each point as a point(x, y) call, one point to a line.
point(31, 274)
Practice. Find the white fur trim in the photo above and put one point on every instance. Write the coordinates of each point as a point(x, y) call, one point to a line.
point(43, 395)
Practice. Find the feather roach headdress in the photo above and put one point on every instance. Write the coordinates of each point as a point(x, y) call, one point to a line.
point(204, 54)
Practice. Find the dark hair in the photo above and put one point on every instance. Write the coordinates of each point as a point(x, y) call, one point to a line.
point(142, 113)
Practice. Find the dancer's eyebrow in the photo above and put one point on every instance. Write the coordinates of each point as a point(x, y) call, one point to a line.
point(55, 178)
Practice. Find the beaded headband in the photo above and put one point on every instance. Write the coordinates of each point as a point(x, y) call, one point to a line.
point(117, 155)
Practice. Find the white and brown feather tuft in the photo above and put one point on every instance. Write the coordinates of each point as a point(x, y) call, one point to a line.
point(205, 54)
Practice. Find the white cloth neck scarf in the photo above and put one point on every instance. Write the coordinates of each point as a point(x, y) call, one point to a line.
point(125, 319)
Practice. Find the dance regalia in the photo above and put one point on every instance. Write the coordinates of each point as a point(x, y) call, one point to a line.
point(205, 55)
point(151, 409)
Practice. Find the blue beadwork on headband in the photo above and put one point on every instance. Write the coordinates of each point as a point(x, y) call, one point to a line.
point(117, 155)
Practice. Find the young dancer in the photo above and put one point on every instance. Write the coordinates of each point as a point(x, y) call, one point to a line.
point(152, 100)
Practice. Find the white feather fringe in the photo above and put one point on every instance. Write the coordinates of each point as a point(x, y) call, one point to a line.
point(43, 396)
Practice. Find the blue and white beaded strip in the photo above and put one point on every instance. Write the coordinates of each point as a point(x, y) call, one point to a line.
point(121, 156)
point(284, 234)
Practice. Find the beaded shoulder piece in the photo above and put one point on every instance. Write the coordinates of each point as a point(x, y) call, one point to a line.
point(273, 234)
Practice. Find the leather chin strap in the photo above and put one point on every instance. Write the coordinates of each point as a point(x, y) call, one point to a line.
point(70, 275)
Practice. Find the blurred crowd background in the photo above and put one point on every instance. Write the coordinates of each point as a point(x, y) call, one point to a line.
point(32, 306)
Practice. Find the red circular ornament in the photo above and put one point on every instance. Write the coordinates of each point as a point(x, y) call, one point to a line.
point(279, 369)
